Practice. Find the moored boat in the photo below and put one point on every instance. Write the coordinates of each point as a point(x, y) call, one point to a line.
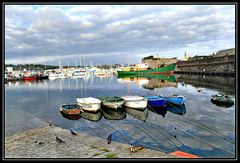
point(222, 100)
point(113, 102)
point(134, 101)
point(168, 69)
point(174, 99)
point(70, 109)
point(30, 78)
point(156, 101)
point(80, 74)
point(89, 104)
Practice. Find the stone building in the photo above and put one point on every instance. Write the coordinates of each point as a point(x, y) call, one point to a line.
point(155, 62)
point(222, 61)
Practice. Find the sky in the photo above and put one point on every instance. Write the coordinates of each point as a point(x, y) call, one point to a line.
point(114, 34)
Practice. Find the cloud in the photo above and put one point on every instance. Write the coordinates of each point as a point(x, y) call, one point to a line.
point(136, 30)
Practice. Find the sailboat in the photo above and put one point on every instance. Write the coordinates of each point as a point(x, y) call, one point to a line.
point(57, 75)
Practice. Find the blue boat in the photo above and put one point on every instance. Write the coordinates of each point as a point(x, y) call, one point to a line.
point(156, 101)
point(174, 99)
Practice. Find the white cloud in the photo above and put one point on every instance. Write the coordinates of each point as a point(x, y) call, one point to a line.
point(137, 30)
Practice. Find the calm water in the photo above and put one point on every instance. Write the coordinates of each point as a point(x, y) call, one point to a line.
point(201, 128)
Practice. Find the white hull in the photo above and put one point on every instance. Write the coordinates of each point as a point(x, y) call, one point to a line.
point(136, 104)
point(89, 104)
point(90, 107)
point(56, 76)
point(113, 105)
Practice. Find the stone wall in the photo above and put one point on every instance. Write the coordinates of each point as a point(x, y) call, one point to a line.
point(157, 62)
point(216, 64)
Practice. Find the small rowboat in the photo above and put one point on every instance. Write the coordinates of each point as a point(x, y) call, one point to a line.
point(137, 102)
point(113, 102)
point(222, 100)
point(89, 104)
point(156, 101)
point(174, 99)
point(70, 109)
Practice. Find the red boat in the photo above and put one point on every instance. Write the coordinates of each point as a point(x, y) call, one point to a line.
point(30, 78)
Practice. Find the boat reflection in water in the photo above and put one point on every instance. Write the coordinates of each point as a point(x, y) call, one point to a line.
point(92, 116)
point(158, 110)
point(137, 114)
point(71, 117)
point(180, 110)
point(111, 114)
point(150, 81)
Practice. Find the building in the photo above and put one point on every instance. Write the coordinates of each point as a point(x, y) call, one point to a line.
point(222, 62)
point(155, 62)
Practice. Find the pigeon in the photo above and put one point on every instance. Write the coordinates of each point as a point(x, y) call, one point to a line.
point(73, 133)
point(50, 123)
point(59, 140)
point(109, 138)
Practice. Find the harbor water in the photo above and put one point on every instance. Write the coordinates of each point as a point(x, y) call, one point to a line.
point(200, 128)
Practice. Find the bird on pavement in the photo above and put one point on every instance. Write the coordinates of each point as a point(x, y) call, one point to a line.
point(109, 138)
point(73, 133)
point(58, 140)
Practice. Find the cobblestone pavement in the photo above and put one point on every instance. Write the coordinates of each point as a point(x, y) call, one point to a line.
point(41, 143)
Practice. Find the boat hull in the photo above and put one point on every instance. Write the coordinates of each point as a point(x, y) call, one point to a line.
point(113, 105)
point(70, 109)
point(141, 105)
point(156, 101)
point(175, 100)
point(169, 69)
point(30, 78)
point(90, 107)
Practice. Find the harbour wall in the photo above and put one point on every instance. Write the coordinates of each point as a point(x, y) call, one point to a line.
point(219, 65)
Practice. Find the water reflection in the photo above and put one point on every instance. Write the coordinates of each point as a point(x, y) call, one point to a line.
point(92, 116)
point(180, 110)
point(150, 81)
point(71, 117)
point(137, 113)
point(206, 130)
point(160, 111)
point(223, 84)
point(111, 114)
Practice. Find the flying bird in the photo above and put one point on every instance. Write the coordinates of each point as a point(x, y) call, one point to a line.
point(73, 133)
point(58, 140)
point(109, 138)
